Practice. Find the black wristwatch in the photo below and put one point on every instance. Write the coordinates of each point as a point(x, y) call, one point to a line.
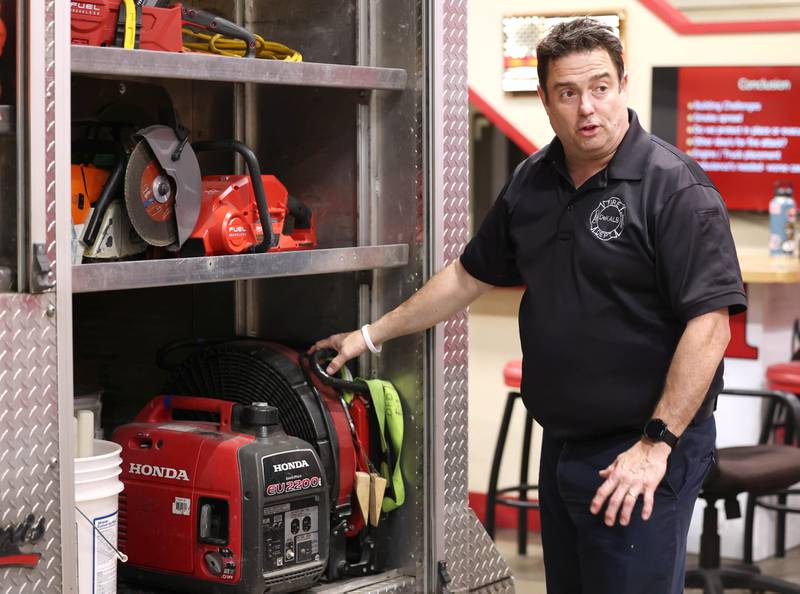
point(656, 430)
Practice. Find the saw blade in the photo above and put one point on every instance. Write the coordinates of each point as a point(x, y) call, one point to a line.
point(150, 198)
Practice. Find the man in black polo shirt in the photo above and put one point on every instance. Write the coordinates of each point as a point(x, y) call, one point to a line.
point(624, 246)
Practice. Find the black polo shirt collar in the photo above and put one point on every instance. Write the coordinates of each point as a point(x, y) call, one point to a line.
point(629, 162)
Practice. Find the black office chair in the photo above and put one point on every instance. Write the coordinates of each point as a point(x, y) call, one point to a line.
point(758, 470)
point(784, 377)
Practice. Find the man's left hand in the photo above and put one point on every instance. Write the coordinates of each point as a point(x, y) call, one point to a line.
point(635, 472)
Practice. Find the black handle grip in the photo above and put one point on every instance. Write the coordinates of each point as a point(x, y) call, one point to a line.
point(216, 24)
point(335, 382)
point(300, 212)
point(255, 178)
point(101, 205)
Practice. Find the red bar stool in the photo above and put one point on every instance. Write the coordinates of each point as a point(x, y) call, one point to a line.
point(783, 377)
point(513, 377)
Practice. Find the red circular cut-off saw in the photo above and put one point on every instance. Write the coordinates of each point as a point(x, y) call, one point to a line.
point(171, 205)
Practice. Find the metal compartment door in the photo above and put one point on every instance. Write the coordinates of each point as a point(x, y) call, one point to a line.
point(458, 539)
point(36, 462)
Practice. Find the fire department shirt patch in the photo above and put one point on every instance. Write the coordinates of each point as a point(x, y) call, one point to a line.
point(608, 220)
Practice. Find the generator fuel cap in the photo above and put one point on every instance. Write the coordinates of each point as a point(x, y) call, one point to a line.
point(260, 415)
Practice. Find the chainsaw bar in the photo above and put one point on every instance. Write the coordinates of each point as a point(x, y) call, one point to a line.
point(150, 197)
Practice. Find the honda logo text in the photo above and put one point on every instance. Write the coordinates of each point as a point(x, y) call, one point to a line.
point(290, 465)
point(159, 471)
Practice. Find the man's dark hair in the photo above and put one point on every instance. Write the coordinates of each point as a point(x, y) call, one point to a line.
point(582, 34)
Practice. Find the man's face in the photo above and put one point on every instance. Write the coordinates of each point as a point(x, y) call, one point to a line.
point(587, 104)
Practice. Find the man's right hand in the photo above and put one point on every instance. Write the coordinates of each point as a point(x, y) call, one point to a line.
point(449, 291)
point(348, 345)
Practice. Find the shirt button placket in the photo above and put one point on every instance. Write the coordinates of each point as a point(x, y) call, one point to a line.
point(566, 224)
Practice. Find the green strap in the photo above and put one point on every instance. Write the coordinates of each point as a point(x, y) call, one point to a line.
point(345, 374)
point(389, 412)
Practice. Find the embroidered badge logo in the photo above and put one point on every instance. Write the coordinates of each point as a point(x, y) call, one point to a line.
point(608, 219)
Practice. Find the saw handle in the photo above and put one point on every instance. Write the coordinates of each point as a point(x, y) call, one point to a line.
point(107, 195)
point(216, 24)
point(159, 409)
point(255, 178)
point(300, 212)
point(335, 382)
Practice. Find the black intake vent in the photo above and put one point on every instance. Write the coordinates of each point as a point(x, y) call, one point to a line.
point(246, 371)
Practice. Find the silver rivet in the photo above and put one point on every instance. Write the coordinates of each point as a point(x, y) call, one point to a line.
point(51, 311)
point(53, 462)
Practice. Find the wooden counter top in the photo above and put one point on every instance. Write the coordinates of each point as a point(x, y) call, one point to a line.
point(759, 267)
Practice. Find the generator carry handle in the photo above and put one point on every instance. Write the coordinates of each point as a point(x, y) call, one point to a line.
point(159, 410)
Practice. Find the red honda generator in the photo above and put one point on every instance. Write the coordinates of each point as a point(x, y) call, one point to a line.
point(251, 490)
point(233, 506)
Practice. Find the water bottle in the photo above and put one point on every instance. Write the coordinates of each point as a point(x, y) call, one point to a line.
point(782, 217)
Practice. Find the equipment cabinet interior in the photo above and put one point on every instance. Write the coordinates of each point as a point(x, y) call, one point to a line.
point(368, 131)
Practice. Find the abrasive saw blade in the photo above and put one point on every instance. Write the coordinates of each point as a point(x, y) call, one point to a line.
point(150, 197)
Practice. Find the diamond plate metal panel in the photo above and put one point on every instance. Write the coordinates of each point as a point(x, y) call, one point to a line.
point(501, 587)
point(454, 236)
point(486, 563)
point(472, 558)
point(50, 137)
point(29, 435)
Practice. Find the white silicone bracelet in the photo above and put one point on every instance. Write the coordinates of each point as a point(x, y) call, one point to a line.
point(370, 345)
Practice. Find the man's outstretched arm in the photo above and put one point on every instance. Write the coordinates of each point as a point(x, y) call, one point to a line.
point(447, 292)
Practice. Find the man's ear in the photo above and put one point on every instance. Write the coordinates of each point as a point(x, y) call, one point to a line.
point(623, 87)
point(543, 97)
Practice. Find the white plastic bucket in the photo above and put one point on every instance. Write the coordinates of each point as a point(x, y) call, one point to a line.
point(104, 463)
point(97, 488)
point(98, 475)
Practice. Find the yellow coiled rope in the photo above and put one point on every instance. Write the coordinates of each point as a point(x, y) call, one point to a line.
point(228, 46)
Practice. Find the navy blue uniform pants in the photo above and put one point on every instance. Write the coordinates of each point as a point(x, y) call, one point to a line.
point(584, 556)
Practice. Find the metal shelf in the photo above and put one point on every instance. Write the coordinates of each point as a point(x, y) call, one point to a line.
point(114, 276)
point(196, 66)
